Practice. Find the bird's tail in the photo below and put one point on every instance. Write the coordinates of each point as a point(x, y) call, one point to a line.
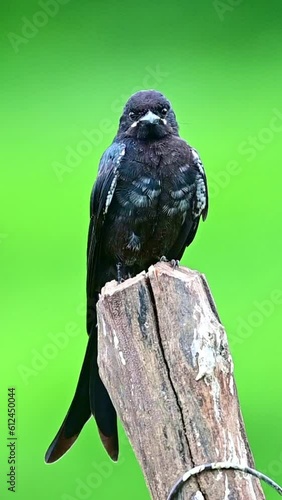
point(90, 397)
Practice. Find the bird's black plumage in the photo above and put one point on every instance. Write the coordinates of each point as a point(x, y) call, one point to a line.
point(146, 203)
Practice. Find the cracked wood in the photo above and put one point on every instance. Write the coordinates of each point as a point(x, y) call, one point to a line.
point(164, 359)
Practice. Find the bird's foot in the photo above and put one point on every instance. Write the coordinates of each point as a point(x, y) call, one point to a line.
point(163, 259)
point(173, 262)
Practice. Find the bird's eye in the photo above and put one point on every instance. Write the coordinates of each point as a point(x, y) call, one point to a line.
point(164, 111)
point(131, 115)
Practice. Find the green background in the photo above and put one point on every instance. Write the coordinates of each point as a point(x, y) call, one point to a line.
point(220, 65)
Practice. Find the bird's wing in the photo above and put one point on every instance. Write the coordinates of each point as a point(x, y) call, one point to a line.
point(198, 205)
point(201, 200)
point(101, 198)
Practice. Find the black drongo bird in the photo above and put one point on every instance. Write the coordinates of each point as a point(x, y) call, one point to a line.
point(146, 203)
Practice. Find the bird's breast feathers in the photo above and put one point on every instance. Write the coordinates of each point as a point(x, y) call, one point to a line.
point(170, 180)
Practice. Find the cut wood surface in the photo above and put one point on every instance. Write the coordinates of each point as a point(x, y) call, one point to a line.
point(164, 359)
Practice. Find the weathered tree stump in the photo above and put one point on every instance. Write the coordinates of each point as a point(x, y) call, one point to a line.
point(164, 358)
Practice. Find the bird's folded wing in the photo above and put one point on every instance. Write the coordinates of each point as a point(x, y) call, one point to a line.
point(198, 206)
point(101, 198)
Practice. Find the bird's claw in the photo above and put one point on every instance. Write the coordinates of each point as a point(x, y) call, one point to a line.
point(163, 259)
point(173, 262)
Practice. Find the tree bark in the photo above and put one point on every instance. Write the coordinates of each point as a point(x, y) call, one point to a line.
point(164, 359)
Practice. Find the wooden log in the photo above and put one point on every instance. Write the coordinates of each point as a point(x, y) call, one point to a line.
point(164, 358)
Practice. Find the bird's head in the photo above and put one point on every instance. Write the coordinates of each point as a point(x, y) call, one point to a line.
point(148, 115)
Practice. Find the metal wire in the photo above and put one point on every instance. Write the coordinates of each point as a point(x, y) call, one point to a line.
point(215, 466)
